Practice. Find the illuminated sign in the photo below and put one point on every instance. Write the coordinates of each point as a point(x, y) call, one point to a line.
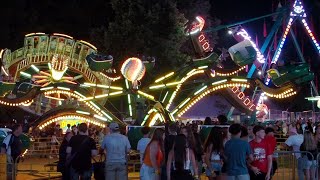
point(199, 39)
point(245, 35)
point(241, 96)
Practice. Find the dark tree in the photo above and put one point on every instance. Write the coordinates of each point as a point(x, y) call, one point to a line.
point(144, 27)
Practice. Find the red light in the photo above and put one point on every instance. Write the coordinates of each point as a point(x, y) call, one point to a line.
point(205, 46)
point(201, 38)
point(235, 89)
point(246, 101)
point(241, 95)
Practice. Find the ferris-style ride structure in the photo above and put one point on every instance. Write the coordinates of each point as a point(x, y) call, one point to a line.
point(67, 81)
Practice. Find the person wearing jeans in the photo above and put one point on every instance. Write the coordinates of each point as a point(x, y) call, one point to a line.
point(236, 152)
point(80, 150)
point(294, 141)
point(117, 146)
point(76, 174)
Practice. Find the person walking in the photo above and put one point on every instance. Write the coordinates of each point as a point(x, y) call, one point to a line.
point(214, 153)
point(260, 167)
point(294, 142)
point(310, 146)
point(12, 146)
point(181, 157)
point(61, 167)
point(236, 152)
point(143, 142)
point(170, 135)
point(272, 143)
point(153, 157)
point(80, 150)
point(68, 128)
point(54, 145)
point(117, 147)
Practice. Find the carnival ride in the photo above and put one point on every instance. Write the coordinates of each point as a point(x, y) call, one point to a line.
point(60, 78)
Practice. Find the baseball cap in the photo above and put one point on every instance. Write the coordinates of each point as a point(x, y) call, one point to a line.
point(114, 126)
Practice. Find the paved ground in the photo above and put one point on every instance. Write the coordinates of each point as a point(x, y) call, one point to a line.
point(40, 168)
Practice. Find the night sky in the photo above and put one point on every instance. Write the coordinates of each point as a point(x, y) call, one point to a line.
point(78, 17)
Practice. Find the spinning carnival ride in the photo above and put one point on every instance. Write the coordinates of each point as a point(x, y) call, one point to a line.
point(67, 81)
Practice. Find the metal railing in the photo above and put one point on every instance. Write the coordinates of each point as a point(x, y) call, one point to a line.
point(34, 167)
point(294, 165)
point(290, 165)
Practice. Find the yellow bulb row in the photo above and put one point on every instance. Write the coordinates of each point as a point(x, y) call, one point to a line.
point(71, 117)
point(93, 108)
point(205, 93)
point(76, 96)
point(62, 92)
point(281, 95)
point(146, 95)
point(285, 95)
point(190, 74)
point(24, 103)
point(110, 78)
point(231, 73)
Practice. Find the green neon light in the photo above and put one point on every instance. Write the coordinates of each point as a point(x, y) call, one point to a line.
point(106, 115)
point(63, 88)
point(219, 82)
point(46, 88)
point(202, 67)
point(127, 84)
point(165, 96)
point(35, 68)
point(187, 100)
point(25, 74)
point(174, 111)
point(83, 112)
point(157, 86)
point(94, 105)
point(203, 88)
point(130, 110)
point(239, 80)
point(129, 99)
point(79, 94)
point(101, 118)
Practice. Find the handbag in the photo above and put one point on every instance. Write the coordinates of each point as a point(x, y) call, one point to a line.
point(70, 159)
point(98, 168)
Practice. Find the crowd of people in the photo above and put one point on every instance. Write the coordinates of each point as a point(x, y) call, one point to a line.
point(177, 151)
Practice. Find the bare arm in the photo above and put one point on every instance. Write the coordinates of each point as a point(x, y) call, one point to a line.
point(194, 164)
point(208, 157)
point(250, 158)
point(169, 162)
point(153, 154)
point(285, 146)
point(269, 166)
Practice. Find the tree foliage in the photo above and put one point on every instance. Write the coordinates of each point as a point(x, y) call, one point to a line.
point(145, 27)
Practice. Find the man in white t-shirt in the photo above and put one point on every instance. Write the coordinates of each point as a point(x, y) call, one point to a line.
point(294, 141)
point(68, 128)
point(143, 142)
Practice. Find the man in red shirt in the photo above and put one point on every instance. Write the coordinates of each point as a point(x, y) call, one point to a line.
point(272, 142)
point(260, 167)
